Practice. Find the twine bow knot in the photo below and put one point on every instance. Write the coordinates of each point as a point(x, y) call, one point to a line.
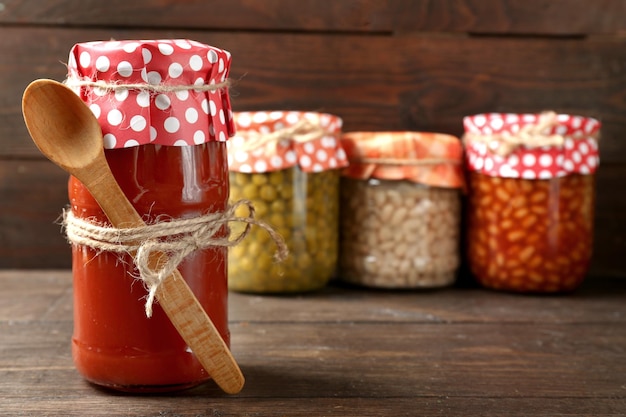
point(160, 247)
point(532, 135)
point(301, 132)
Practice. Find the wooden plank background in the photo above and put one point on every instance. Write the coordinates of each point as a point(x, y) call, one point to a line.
point(380, 65)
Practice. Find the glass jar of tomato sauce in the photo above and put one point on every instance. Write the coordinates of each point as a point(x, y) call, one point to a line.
point(400, 209)
point(167, 150)
point(531, 199)
point(287, 163)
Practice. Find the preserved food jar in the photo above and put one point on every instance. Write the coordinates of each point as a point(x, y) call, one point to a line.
point(287, 163)
point(531, 199)
point(165, 144)
point(400, 209)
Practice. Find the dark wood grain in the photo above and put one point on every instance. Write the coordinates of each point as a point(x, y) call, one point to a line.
point(374, 83)
point(545, 17)
point(599, 300)
point(350, 352)
point(380, 65)
point(34, 193)
point(368, 360)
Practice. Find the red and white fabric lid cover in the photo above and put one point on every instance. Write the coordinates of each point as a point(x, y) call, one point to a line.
point(136, 116)
point(323, 152)
point(578, 153)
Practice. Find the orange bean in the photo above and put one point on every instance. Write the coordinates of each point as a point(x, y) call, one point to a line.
point(526, 253)
point(515, 235)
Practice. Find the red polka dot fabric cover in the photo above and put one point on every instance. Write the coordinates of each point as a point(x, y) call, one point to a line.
point(135, 116)
point(432, 159)
point(577, 155)
point(320, 154)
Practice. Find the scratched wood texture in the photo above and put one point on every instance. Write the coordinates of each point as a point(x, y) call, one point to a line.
point(348, 352)
point(380, 65)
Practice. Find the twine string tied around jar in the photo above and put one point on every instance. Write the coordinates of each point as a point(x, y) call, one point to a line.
point(405, 161)
point(173, 240)
point(533, 135)
point(301, 132)
point(109, 86)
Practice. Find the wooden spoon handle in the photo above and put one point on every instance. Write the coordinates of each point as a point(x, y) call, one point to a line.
point(174, 295)
point(199, 332)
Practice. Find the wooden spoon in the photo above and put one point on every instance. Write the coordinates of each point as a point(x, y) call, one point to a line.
point(67, 132)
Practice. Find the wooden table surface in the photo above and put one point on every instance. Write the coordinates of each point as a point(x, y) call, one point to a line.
point(348, 352)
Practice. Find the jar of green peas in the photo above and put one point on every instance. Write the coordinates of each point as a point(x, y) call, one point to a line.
point(287, 164)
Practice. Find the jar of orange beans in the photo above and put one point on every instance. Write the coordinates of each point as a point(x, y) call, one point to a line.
point(531, 199)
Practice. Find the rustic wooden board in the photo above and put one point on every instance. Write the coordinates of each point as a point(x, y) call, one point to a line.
point(597, 301)
point(385, 360)
point(213, 405)
point(551, 17)
point(35, 296)
point(487, 353)
point(412, 82)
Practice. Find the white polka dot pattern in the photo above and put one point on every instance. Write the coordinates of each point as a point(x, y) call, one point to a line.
point(131, 117)
point(579, 153)
point(313, 156)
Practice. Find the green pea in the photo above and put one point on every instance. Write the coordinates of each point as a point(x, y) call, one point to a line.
point(239, 178)
point(268, 192)
point(277, 178)
point(278, 206)
point(250, 191)
point(259, 179)
point(303, 209)
point(261, 209)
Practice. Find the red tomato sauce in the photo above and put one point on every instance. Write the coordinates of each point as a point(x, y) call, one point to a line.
point(114, 343)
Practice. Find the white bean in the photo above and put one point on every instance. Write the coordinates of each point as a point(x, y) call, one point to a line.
point(398, 234)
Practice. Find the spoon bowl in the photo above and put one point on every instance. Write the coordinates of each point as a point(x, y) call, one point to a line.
point(67, 132)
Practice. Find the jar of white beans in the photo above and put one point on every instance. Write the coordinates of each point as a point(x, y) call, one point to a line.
point(400, 209)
